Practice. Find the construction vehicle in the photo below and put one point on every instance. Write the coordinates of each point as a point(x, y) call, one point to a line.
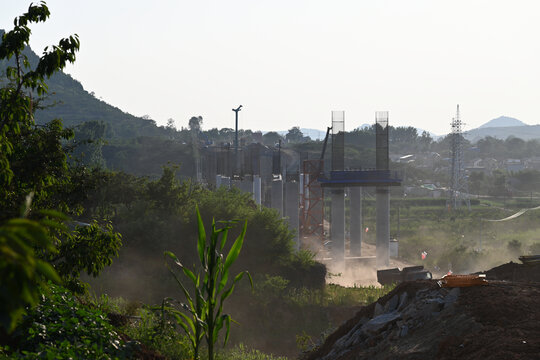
point(410, 273)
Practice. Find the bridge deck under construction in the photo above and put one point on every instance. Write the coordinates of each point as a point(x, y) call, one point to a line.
point(351, 178)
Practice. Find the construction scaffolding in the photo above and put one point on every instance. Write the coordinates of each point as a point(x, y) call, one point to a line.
point(312, 201)
point(338, 140)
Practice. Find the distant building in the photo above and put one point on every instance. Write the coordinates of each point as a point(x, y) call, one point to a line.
point(425, 190)
point(514, 165)
point(533, 163)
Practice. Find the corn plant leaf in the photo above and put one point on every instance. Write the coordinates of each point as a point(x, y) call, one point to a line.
point(184, 290)
point(190, 275)
point(179, 264)
point(188, 329)
point(186, 271)
point(226, 293)
point(201, 241)
point(227, 320)
point(232, 256)
point(225, 232)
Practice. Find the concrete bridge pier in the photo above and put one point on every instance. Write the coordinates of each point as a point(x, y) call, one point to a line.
point(257, 189)
point(276, 200)
point(291, 209)
point(383, 226)
point(355, 221)
point(337, 225)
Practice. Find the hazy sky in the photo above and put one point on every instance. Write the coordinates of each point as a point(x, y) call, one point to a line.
point(290, 63)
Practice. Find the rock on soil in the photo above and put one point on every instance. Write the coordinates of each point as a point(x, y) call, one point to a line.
point(420, 320)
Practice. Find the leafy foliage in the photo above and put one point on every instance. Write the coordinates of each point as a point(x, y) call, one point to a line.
point(88, 248)
point(16, 107)
point(33, 161)
point(21, 270)
point(61, 328)
point(242, 352)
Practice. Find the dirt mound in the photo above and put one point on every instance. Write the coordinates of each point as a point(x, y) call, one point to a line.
point(515, 272)
point(420, 320)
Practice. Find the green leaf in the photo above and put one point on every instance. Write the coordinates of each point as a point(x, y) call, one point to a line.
point(184, 290)
point(225, 232)
point(201, 242)
point(227, 320)
point(235, 249)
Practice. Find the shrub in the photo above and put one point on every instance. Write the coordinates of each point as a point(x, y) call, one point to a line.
point(61, 328)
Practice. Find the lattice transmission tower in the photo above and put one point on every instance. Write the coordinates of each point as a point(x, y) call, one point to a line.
point(459, 189)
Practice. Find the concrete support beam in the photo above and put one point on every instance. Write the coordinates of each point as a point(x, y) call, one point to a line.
point(337, 225)
point(291, 209)
point(383, 226)
point(257, 189)
point(276, 197)
point(355, 198)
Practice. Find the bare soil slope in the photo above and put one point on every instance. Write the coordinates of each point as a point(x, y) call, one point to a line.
point(420, 320)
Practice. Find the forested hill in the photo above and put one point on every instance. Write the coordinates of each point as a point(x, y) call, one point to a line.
point(74, 105)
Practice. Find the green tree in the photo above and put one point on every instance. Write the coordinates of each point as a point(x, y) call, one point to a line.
point(271, 138)
point(294, 135)
point(402, 134)
point(477, 182)
point(195, 123)
point(515, 147)
point(88, 143)
point(527, 180)
point(498, 184)
point(425, 141)
point(21, 271)
point(17, 104)
point(33, 159)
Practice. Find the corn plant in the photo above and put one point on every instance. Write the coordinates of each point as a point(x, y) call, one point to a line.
point(202, 314)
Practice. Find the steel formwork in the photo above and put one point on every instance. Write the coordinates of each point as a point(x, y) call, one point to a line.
point(338, 140)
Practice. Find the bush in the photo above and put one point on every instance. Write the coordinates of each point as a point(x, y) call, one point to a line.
point(62, 328)
point(160, 215)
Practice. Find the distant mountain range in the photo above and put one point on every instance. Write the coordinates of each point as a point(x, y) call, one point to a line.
point(525, 132)
point(502, 128)
point(503, 121)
